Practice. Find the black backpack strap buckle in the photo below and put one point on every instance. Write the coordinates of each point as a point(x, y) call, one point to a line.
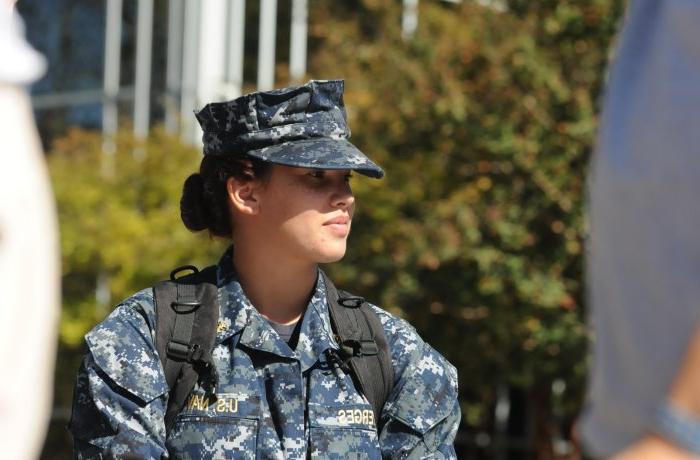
point(191, 268)
point(183, 351)
point(351, 301)
point(189, 307)
point(359, 348)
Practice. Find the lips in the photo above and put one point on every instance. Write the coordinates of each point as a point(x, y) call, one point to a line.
point(338, 226)
point(340, 220)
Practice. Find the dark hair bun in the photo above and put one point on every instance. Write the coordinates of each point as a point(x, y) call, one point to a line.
point(192, 207)
point(205, 202)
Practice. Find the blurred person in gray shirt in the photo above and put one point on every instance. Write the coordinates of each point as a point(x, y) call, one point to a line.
point(644, 249)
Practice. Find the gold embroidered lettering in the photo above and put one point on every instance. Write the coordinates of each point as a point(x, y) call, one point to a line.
point(227, 405)
point(196, 402)
point(220, 404)
point(358, 416)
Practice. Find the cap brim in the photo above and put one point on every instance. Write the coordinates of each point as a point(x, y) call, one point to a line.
point(319, 153)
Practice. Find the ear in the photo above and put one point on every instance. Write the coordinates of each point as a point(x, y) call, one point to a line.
point(243, 196)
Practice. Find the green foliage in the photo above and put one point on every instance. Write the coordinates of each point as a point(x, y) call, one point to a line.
point(119, 220)
point(484, 122)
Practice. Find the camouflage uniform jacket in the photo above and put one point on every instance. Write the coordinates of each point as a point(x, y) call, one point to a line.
point(271, 402)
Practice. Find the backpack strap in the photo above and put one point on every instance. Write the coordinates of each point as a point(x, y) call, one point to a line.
point(364, 348)
point(187, 310)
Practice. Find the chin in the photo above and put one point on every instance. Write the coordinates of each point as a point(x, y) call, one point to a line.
point(329, 259)
point(332, 253)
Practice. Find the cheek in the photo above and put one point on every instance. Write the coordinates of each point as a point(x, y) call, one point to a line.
point(280, 206)
point(299, 227)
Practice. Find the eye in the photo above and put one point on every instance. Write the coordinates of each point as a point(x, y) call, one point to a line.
point(317, 173)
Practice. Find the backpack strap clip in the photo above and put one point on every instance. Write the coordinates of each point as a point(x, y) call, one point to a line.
point(183, 351)
point(359, 348)
point(351, 301)
point(192, 268)
point(190, 306)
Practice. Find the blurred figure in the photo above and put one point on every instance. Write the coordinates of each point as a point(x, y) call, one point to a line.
point(29, 255)
point(644, 263)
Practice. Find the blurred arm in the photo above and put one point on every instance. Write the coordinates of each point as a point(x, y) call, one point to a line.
point(29, 254)
point(29, 279)
point(644, 256)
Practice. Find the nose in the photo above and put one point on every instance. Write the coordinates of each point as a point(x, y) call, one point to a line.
point(342, 196)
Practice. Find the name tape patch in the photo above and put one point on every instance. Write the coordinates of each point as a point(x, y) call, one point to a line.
point(222, 403)
point(356, 416)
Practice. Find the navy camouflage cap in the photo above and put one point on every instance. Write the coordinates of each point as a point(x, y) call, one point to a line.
point(304, 126)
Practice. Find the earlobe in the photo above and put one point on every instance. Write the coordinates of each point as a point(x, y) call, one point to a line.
point(242, 195)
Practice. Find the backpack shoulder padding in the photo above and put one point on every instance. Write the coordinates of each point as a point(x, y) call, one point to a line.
point(187, 310)
point(363, 345)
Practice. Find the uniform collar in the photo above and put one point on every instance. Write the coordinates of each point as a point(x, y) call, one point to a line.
point(239, 316)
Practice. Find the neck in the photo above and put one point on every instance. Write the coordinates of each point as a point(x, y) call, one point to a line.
point(279, 289)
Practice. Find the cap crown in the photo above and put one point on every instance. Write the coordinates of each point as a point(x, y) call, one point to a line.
point(265, 118)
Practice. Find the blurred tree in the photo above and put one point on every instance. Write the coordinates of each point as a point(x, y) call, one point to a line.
point(122, 224)
point(484, 123)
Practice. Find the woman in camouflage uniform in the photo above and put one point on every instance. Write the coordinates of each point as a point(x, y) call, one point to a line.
point(274, 180)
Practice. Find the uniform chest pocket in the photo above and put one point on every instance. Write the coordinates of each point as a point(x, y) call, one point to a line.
point(346, 431)
point(221, 427)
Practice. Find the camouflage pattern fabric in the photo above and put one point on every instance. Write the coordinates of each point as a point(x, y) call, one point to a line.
point(271, 402)
point(304, 126)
